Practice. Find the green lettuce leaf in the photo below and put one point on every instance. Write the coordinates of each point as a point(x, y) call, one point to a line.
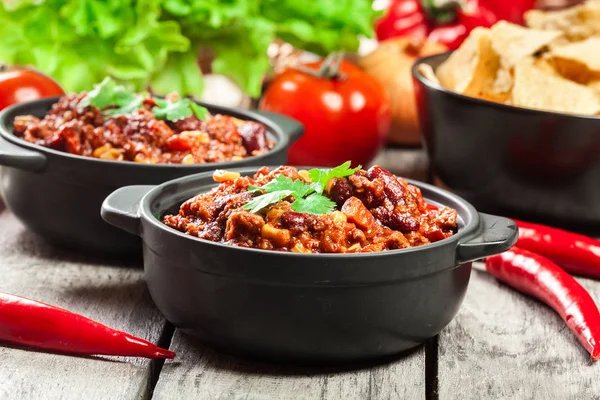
point(155, 42)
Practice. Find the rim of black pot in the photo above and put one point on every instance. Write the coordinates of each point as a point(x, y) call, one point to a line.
point(8, 115)
point(433, 85)
point(467, 230)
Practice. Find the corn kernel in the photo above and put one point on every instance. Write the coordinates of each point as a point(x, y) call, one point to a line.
point(304, 174)
point(101, 150)
point(189, 159)
point(112, 154)
point(280, 236)
point(339, 217)
point(224, 176)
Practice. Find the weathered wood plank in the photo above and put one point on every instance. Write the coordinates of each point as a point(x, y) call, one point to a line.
point(406, 162)
point(114, 295)
point(201, 373)
point(504, 345)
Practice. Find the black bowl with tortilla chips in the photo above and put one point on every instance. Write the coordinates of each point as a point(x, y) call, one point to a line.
point(521, 162)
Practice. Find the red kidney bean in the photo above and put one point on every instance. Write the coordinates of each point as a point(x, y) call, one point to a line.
point(404, 223)
point(393, 189)
point(294, 221)
point(254, 136)
point(340, 191)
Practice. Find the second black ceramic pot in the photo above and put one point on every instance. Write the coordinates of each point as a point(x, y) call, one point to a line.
point(529, 164)
point(58, 195)
point(303, 307)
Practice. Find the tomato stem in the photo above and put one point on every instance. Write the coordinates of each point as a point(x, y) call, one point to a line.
point(330, 67)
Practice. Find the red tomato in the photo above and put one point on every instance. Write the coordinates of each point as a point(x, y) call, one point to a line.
point(21, 85)
point(346, 118)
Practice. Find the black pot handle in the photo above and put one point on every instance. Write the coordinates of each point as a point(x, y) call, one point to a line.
point(291, 127)
point(122, 207)
point(19, 157)
point(495, 235)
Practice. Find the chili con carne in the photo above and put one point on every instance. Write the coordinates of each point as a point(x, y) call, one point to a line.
point(371, 210)
point(539, 277)
point(577, 254)
point(138, 136)
point(31, 323)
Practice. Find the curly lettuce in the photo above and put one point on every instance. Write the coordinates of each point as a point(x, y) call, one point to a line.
point(154, 43)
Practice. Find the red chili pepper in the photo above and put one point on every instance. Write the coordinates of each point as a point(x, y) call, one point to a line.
point(474, 13)
point(577, 254)
point(35, 324)
point(510, 10)
point(403, 18)
point(449, 24)
point(539, 277)
point(450, 35)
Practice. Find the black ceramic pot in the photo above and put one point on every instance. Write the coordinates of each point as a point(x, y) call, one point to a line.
point(58, 195)
point(303, 307)
point(534, 165)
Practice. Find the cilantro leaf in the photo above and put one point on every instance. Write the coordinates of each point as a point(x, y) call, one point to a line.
point(260, 202)
point(320, 176)
point(173, 111)
point(314, 204)
point(101, 96)
point(199, 111)
point(298, 187)
point(108, 94)
point(178, 109)
point(308, 198)
point(127, 105)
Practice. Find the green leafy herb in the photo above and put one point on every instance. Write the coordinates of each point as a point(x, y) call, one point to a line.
point(260, 202)
point(108, 94)
point(178, 109)
point(116, 99)
point(298, 187)
point(307, 197)
point(199, 111)
point(156, 42)
point(314, 204)
point(320, 177)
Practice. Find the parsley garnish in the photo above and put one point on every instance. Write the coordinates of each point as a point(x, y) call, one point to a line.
point(314, 204)
point(320, 177)
point(308, 198)
point(121, 101)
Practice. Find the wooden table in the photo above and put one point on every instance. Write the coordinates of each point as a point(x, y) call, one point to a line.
point(501, 345)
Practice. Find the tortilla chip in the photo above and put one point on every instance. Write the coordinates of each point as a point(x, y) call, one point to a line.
point(594, 85)
point(427, 71)
point(579, 61)
point(545, 64)
point(537, 89)
point(472, 69)
point(577, 23)
point(514, 42)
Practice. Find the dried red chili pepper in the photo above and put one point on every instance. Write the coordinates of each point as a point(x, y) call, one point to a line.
point(539, 277)
point(577, 254)
point(39, 325)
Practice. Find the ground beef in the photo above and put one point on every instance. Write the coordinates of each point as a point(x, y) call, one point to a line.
point(140, 137)
point(376, 211)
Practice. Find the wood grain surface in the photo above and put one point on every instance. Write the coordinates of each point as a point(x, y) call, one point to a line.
point(115, 295)
point(200, 373)
point(504, 345)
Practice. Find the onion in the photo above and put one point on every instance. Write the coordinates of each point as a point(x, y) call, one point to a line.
point(390, 64)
